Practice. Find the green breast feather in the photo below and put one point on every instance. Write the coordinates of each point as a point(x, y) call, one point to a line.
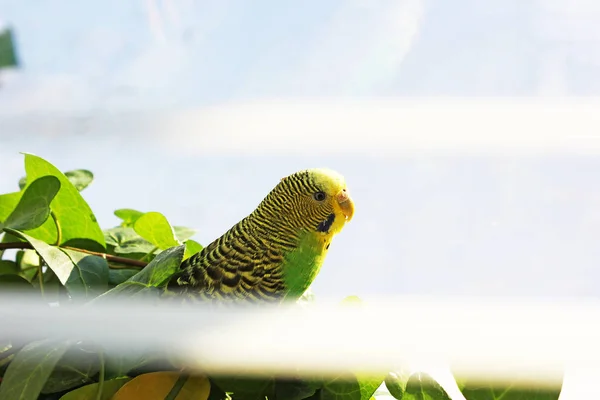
point(302, 265)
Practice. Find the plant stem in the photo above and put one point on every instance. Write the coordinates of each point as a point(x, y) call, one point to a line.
point(58, 228)
point(149, 253)
point(107, 257)
point(101, 377)
point(183, 377)
point(40, 275)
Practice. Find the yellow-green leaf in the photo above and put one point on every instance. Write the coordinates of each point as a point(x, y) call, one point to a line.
point(78, 223)
point(128, 215)
point(89, 392)
point(191, 247)
point(156, 385)
point(33, 208)
point(154, 227)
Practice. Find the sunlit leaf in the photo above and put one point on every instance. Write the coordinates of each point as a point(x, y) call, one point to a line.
point(128, 215)
point(78, 223)
point(8, 202)
point(395, 382)
point(369, 385)
point(33, 208)
point(182, 233)
point(155, 228)
point(191, 247)
point(421, 386)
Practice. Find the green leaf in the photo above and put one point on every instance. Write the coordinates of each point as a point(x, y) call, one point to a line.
point(295, 389)
point(28, 262)
point(155, 228)
point(8, 52)
point(182, 233)
point(28, 372)
point(14, 282)
point(117, 276)
point(369, 385)
point(83, 275)
point(8, 202)
point(125, 240)
point(80, 178)
point(421, 386)
point(89, 279)
point(191, 247)
point(8, 267)
point(245, 388)
point(75, 368)
point(78, 223)
point(22, 182)
point(395, 382)
point(128, 215)
point(58, 261)
point(518, 390)
point(161, 268)
point(53, 289)
point(33, 208)
point(89, 392)
point(341, 388)
point(154, 275)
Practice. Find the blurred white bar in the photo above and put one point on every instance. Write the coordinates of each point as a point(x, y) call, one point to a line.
point(491, 339)
point(392, 126)
point(380, 126)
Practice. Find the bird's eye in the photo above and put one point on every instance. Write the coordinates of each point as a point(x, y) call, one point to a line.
point(319, 196)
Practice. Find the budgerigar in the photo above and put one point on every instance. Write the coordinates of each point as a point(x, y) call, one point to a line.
point(274, 253)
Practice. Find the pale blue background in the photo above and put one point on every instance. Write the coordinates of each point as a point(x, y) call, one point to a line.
point(425, 224)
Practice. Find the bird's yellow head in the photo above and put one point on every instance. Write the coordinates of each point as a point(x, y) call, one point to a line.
point(313, 200)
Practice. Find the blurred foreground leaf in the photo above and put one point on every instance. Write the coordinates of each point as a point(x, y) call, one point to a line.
point(28, 372)
point(156, 385)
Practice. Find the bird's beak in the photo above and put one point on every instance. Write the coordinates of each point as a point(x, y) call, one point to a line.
point(346, 204)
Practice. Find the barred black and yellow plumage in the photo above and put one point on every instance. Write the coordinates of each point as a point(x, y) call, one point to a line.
point(276, 251)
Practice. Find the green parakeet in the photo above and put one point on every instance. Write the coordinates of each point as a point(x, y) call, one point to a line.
point(275, 252)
